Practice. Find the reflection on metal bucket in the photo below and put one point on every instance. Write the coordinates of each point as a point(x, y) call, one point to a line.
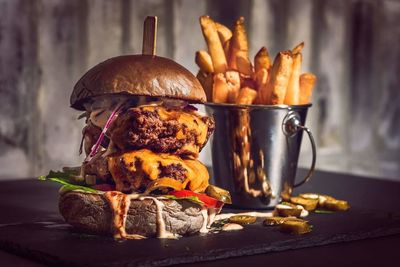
point(255, 151)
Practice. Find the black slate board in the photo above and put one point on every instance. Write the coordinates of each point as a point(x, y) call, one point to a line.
point(58, 244)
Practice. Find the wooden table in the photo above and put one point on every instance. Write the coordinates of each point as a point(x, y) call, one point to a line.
point(26, 201)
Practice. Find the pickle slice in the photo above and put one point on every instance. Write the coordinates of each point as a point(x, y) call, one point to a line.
point(308, 204)
point(276, 220)
point(332, 204)
point(242, 219)
point(288, 204)
point(309, 196)
point(311, 201)
point(323, 198)
point(336, 205)
point(284, 210)
point(295, 227)
point(219, 194)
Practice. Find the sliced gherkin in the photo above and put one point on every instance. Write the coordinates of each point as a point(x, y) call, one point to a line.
point(284, 210)
point(242, 219)
point(336, 205)
point(309, 196)
point(219, 194)
point(332, 204)
point(295, 227)
point(308, 204)
point(276, 220)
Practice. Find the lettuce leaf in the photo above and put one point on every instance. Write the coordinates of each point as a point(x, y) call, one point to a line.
point(66, 174)
point(64, 178)
point(72, 187)
point(192, 199)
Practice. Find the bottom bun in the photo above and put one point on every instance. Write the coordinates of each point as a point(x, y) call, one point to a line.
point(92, 213)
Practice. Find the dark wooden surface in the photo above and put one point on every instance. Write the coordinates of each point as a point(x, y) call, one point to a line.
point(374, 218)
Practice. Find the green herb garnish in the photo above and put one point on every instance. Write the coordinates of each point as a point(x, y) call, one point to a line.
point(324, 211)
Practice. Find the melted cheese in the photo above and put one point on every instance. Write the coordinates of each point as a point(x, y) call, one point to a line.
point(191, 148)
point(196, 173)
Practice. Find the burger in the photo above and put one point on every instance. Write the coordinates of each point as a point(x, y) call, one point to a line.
point(141, 176)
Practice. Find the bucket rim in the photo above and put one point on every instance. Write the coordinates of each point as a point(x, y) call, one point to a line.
point(264, 107)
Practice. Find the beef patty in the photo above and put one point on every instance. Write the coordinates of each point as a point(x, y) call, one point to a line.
point(161, 130)
point(135, 170)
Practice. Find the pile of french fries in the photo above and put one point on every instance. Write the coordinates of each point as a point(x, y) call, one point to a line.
point(228, 76)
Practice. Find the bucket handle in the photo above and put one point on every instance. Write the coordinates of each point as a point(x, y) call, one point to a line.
point(291, 126)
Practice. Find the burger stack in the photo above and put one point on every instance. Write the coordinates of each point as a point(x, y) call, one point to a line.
point(154, 147)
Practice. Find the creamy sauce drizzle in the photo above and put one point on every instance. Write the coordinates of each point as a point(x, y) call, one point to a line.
point(232, 227)
point(211, 216)
point(204, 228)
point(120, 203)
point(160, 223)
point(208, 218)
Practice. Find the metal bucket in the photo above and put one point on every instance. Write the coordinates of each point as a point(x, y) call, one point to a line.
point(255, 150)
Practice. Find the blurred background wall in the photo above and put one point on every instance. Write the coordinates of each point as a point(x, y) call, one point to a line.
point(352, 46)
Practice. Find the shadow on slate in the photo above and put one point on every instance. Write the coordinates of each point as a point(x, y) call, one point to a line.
point(56, 243)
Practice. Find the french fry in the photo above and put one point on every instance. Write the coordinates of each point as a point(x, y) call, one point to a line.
point(238, 44)
point(243, 63)
point(220, 91)
point(228, 76)
point(247, 82)
point(275, 91)
point(227, 48)
point(203, 60)
point(233, 80)
point(206, 80)
point(224, 33)
point(307, 82)
point(246, 96)
point(261, 78)
point(293, 90)
point(214, 44)
point(262, 60)
point(297, 49)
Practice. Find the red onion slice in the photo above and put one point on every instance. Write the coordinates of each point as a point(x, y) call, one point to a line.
point(96, 146)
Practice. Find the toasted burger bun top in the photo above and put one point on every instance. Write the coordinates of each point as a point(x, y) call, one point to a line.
point(142, 75)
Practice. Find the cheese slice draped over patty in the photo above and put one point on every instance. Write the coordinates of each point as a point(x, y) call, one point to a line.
point(135, 170)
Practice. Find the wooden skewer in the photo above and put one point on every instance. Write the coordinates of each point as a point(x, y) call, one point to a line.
point(149, 36)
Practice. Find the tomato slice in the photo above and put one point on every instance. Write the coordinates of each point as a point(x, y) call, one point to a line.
point(209, 202)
